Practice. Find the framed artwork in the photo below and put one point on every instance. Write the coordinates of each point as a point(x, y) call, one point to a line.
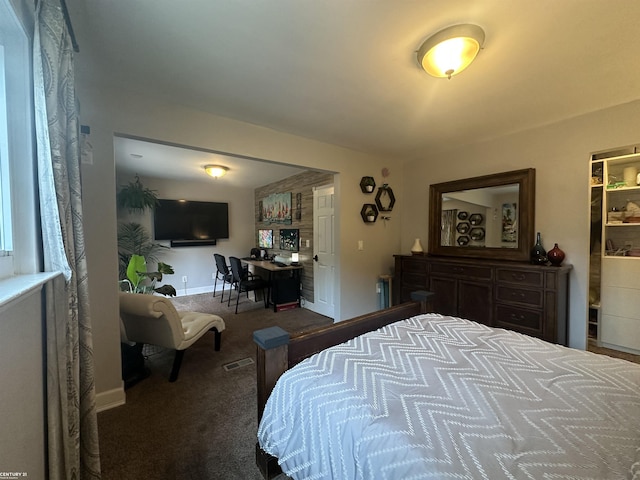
point(509, 223)
point(298, 206)
point(276, 208)
point(290, 239)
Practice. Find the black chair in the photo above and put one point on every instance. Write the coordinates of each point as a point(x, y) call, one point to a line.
point(222, 273)
point(245, 282)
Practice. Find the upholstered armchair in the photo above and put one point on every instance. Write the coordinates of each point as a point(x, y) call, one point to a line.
point(154, 320)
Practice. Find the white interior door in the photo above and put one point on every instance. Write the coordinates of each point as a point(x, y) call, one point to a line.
point(324, 252)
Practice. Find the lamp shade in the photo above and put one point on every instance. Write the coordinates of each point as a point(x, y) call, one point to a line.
point(215, 171)
point(451, 50)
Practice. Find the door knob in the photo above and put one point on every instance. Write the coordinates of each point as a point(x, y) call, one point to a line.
point(315, 258)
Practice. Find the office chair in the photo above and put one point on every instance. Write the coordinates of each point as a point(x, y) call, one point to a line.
point(246, 282)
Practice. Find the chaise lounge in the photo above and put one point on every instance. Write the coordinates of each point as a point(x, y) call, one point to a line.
point(154, 320)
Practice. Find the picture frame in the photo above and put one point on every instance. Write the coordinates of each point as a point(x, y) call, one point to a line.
point(276, 208)
point(290, 239)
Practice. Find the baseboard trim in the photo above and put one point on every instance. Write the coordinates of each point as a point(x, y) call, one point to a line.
point(182, 292)
point(110, 399)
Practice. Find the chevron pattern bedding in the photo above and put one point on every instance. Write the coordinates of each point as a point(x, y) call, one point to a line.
point(443, 397)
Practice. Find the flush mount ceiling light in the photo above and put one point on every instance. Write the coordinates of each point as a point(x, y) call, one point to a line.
point(451, 50)
point(216, 171)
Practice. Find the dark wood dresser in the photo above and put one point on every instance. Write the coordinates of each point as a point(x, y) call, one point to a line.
point(518, 296)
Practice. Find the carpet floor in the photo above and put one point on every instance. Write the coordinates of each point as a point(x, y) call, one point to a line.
point(204, 425)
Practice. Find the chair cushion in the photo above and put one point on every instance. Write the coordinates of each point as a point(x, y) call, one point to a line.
point(196, 324)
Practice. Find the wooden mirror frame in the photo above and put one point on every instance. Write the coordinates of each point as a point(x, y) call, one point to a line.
point(525, 179)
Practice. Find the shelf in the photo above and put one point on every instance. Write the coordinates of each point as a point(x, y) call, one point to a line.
point(620, 189)
point(628, 224)
point(622, 159)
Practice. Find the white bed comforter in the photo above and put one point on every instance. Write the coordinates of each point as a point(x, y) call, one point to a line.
point(443, 397)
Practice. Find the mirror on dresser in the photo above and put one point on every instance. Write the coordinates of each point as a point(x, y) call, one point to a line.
point(491, 216)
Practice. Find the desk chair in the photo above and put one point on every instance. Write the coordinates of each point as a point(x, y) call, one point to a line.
point(222, 273)
point(246, 282)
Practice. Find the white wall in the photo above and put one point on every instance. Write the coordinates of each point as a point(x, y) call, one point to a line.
point(22, 410)
point(560, 153)
point(109, 112)
point(196, 263)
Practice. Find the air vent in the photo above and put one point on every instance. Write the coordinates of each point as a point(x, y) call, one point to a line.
point(237, 364)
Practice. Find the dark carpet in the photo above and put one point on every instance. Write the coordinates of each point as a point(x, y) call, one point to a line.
point(204, 425)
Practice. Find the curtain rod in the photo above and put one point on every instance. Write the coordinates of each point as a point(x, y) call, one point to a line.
point(67, 20)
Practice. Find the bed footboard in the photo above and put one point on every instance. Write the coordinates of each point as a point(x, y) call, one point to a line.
point(277, 352)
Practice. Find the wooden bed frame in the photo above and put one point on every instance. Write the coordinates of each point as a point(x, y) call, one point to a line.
point(276, 353)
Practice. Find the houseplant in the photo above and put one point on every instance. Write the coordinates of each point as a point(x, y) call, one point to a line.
point(139, 280)
point(135, 197)
point(370, 214)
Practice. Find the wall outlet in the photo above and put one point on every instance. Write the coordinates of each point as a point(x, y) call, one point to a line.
point(184, 279)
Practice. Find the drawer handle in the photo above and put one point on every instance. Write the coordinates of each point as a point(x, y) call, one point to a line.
point(517, 295)
point(518, 276)
point(517, 317)
point(458, 269)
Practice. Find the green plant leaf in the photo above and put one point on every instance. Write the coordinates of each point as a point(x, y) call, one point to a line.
point(165, 268)
point(136, 270)
point(167, 290)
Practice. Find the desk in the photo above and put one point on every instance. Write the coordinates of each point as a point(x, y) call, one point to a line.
point(285, 291)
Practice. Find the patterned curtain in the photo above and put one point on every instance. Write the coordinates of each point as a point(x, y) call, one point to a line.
point(448, 228)
point(71, 413)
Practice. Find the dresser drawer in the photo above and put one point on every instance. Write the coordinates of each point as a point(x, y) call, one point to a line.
point(520, 277)
point(415, 279)
point(459, 270)
point(413, 266)
point(519, 295)
point(518, 319)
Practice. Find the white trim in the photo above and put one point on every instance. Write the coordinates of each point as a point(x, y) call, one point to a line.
point(110, 399)
point(14, 288)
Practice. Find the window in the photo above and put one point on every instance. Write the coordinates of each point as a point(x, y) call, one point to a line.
point(6, 239)
point(19, 223)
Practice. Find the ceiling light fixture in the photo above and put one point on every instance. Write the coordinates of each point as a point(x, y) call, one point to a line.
point(216, 171)
point(451, 50)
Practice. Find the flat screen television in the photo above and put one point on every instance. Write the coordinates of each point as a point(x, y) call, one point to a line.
point(187, 222)
point(265, 238)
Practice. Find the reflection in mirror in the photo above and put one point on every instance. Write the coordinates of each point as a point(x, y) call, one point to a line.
point(483, 217)
point(492, 211)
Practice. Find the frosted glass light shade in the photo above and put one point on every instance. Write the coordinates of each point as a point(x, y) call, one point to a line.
point(216, 171)
point(451, 50)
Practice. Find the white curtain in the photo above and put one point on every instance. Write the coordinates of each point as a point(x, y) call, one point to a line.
point(71, 412)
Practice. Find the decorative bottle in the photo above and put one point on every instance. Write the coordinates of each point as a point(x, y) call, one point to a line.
point(555, 255)
point(538, 254)
point(416, 249)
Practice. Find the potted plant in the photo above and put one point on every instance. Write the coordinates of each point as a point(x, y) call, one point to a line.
point(133, 239)
point(135, 197)
point(368, 184)
point(139, 280)
point(370, 214)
